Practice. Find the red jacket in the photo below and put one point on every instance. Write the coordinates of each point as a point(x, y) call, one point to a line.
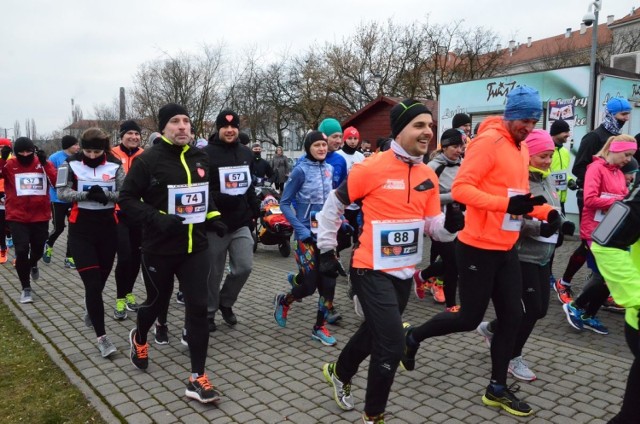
point(27, 208)
point(603, 185)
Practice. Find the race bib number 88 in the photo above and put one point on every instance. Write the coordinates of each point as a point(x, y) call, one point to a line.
point(397, 244)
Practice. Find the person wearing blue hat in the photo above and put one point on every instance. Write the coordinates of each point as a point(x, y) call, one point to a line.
point(617, 113)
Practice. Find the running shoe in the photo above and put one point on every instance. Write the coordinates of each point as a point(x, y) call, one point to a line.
point(341, 391)
point(9, 241)
point(420, 286)
point(25, 296)
point(322, 335)
point(139, 354)
point(183, 339)
point(46, 255)
point(211, 323)
point(179, 297)
point(333, 316)
point(162, 334)
point(454, 308)
point(612, 306)
point(35, 273)
point(69, 263)
point(573, 315)
point(3, 256)
point(378, 419)
point(280, 310)
point(408, 360)
point(506, 400)
point(130, 302)
point(105, 346)
point(227, 315)
point(291, 279)
point(564, 292)
point(120, 311)
point(483, 330)
point(594, 324)
point(437, 291)
point(202, 390)
point(519, 369)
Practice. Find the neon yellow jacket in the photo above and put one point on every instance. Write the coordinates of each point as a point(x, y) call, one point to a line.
point(560, 162)
point(621, 271)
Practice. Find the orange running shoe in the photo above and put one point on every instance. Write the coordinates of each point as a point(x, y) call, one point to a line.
point(3, 256)
point(437, 291)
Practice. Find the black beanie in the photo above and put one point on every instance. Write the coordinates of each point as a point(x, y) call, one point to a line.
point(403, 113)
point(68, 141)
point(244, 138)
point(129, 126)
point(23, 144)
point(311, 138)
point(451, 137)
point(460, 119)
point(167, 112)
point(94, 143)
point(227, 117)
point(558, 127)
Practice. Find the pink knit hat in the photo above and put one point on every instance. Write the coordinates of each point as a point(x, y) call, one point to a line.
point(539, 141)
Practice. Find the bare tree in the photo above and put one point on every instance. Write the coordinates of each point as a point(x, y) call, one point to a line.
point(194, 81)
point(16, 129)
point(76, 113)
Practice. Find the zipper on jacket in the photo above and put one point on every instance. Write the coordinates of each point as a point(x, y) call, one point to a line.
point(188, 172)
point(409, 185)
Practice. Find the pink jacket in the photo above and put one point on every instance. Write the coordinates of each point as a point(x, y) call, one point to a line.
point(603, 185)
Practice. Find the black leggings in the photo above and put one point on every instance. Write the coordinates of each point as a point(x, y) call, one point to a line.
point(484, 275)
point(192, 270)
point(535, 300)
point(630, 411)
point(28, 242)
point(59, 211)
point(3, 230)
point(383, 299)
point(129, 256)
point(447, 268)
point(93, 251)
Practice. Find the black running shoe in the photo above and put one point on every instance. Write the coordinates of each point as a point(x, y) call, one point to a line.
point(139, 353)
point(408, 361)
point(507, 401)
point(202, 390)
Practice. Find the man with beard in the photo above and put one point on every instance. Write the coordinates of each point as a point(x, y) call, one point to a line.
point(232, 190)
point(28, 208)
point(261, 168)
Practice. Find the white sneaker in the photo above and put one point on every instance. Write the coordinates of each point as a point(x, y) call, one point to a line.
point(519, 369)
point(25, 296)
point(483, 330)
point(105, 346)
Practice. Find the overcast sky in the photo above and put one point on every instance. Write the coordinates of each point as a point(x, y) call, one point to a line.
point(53, 51)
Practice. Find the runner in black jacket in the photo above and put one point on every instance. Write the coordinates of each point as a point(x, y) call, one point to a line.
point(167, 192)
point(232, 163)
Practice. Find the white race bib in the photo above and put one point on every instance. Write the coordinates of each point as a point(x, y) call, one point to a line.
point(512, 222)
point(397, 244)
point(560, 178)
point(85, 185)
point(189, 202)
point(234, 180)
point(31, 184)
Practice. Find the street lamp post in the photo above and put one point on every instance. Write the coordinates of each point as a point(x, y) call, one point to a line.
point(592, 18)
point(5, 131)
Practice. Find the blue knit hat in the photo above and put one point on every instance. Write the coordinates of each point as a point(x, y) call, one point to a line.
point(523, 103)
point(617, 105)
point(330, 126)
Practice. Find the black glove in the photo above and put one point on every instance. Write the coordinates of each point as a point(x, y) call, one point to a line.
point(5, 152)
point(170, 224)
point(96, 194)
point(453, 218)
point(330, 266)
point(547, 229)
point(568, 228)
point(42, 156)
point(346, 229)
point(217, 226)
point(572, 185)
point(523, 203)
